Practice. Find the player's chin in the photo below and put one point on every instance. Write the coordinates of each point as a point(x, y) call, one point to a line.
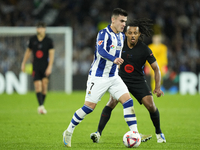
point(132, 42)
point(122, 29)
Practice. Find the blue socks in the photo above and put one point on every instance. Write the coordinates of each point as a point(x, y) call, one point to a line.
point(129, 115)
point(78, 116)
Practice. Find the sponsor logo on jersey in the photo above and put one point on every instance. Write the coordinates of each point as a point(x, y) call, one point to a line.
point(118, 48)
point(100, 42)
point(39, 46)
point(129, 68)
point(129, 56)
point(39, 54)
point(112, 46)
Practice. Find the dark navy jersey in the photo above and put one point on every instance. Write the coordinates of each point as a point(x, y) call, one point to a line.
point(132, 69)
point(40, 51)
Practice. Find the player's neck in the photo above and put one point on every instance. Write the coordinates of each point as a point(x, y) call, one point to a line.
point(114, 29)
point(131, 45)
point(40, 37)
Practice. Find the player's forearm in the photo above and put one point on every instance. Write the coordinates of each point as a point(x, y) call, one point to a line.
point(26, 56)
point(51, 58)
point(105, 55)
point(157, 78)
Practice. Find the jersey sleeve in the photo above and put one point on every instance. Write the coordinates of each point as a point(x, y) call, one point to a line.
point(29, 43)
point(51, 46)
point(150, 57)
point(102, 48)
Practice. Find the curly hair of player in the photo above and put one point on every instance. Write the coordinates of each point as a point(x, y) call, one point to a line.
point(144, 24)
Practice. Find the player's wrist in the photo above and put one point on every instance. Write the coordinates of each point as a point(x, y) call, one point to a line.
point(113, 59)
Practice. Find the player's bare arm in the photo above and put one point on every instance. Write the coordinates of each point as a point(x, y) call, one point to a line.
point(26, 57)
point(157, 78)
point(51, 60)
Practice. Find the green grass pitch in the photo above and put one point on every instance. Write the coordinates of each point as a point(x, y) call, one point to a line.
point(21, 128)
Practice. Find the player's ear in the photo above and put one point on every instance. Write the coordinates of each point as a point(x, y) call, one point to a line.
point(113, 19)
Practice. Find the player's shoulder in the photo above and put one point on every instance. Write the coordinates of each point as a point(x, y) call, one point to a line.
point(143, 45)
point(102, 31)
point(33, 37)
point(163, 46)
point(48, 38)
point(107, 30)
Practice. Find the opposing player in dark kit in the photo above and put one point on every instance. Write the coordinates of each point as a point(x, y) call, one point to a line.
point(43, 56)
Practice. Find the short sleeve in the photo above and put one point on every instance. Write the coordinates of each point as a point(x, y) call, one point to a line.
point(51, 45)
point(29, 43)
point(150, 57)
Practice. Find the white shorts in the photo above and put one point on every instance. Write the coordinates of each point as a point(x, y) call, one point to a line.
point(97, 87)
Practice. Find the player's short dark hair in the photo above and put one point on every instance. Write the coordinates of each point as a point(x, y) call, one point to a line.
point(119, 11)
point(41, 24)
point(144, 24)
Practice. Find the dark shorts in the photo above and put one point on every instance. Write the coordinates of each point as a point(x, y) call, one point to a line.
point(39, 74)
point(139, 89)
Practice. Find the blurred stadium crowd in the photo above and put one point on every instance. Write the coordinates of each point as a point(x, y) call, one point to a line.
point(177, 20)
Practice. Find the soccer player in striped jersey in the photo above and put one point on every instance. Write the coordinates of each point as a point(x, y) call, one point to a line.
point(135, 53)
point(103, 75)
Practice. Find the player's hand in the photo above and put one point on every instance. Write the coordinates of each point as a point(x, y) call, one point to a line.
point(118, 61)
point(48, 71)
point(158, 92)
point(23, 67)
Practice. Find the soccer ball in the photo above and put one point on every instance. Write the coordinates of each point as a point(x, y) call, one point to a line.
point(131, 139)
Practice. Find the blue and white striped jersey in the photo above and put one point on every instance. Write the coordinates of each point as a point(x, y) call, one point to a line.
point(108, 47)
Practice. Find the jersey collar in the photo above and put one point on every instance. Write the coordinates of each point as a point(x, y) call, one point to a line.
point(109, 28)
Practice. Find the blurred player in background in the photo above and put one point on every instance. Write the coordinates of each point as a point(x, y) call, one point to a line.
point(103, 75)
point(135, 53)
point(160, 53)
point(42, 49)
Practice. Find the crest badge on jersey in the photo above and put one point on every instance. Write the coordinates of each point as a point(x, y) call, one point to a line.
point(100, 42)
point(89, 93)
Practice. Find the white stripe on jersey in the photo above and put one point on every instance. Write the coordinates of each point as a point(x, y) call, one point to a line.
point(108, 47)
